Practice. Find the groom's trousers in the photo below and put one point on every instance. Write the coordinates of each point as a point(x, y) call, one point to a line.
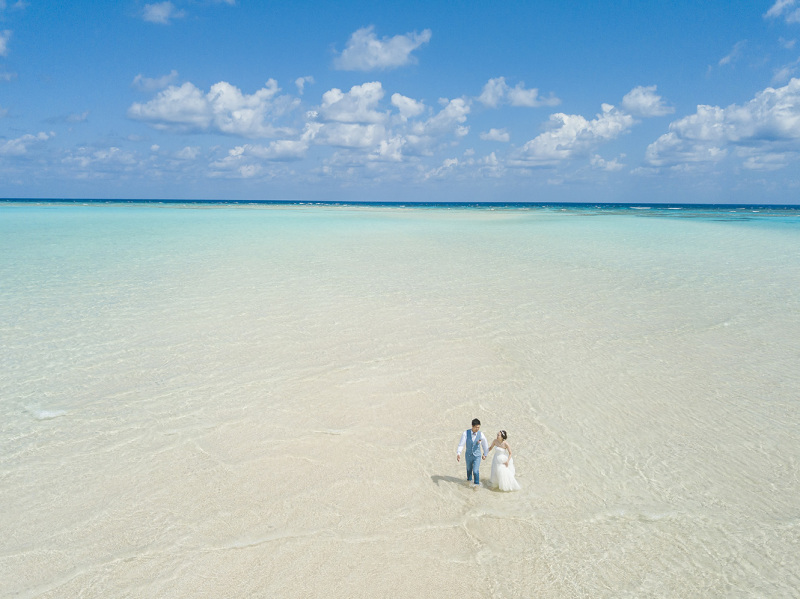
point(473, 467)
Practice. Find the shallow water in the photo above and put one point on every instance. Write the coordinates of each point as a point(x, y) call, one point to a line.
point(240, 401)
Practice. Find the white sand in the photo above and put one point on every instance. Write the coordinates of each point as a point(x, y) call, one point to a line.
point(275, 409)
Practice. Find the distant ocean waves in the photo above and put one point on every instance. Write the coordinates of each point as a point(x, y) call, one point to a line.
point(777, 209)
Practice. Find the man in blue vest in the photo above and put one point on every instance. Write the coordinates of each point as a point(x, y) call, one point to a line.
point(477, 448)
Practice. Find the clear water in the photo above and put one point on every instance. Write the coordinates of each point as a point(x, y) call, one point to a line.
point(245, 400)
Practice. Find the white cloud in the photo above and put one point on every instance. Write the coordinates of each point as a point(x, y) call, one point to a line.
point(764, 162)
point(519, 96)
point(569, 135)
point(644, 102)
point(224, 109)
point(87, 163)
point(5, 35)
point(356, 106)
point(365, 52)
point(733, 54)
point(497, 91)
point(6, 76)
point(354, 122)
point(289, 149)
point(184, 107)
point(300, 82)
point(493, 92)
point(767, 124)
point(408, 107)
point(248, 160)
point(786, 72)
point(3, 112)
point(420, 137)
point(151, 85)
point(389, 150)
point(447, 165)
point(161, 13)
point(599, 162)
point(448, 120)
point(188, 153)
point(496, 135)
point(352, 135)
point(787, 9)
point(20, 145)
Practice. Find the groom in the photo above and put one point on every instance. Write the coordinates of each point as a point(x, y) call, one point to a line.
point(477, 448)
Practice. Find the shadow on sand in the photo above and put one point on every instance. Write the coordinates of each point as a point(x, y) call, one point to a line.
point(436, 478)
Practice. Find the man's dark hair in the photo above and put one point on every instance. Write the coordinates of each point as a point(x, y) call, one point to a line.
point(476, 422)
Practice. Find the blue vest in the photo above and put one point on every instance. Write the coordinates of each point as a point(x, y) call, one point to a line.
point(473, 448)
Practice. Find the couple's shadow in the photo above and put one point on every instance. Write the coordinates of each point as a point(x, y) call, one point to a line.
point(437, 478)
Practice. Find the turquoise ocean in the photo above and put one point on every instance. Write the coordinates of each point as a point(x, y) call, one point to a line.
point(244, 400)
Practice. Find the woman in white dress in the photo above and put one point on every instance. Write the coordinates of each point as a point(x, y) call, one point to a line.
point(502, 465)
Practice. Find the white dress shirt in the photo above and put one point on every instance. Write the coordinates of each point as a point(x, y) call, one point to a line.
point(463, 442)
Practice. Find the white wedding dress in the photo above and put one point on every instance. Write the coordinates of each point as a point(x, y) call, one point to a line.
point(503, 471)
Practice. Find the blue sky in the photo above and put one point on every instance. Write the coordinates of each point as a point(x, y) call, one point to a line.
point(448, 101)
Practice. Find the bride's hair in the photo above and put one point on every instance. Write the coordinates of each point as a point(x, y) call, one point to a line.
point(505, 436)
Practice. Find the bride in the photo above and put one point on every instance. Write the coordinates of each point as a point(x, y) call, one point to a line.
point(502, 465)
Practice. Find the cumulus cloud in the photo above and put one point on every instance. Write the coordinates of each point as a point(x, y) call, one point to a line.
point(768, 124)
point(5, 35)
point(570, 135)
point(644, 102)
point(148, 84)
point(567, 136)
point(352, 135)
point(161, 13)
point(224, 109)
point(21, 145)
point(493, 92)
point(408, 107)
point(600, 163)
point(497, 91)
point(188, 153)
point(389, 150)
point(496, 135)
point(786, 9)
point(300, 82)
point(448, 119)
point(355, 122)
point(365, 52)
point(286, 149)
point(252, 160)
point(356, 106)
point(420, 137)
